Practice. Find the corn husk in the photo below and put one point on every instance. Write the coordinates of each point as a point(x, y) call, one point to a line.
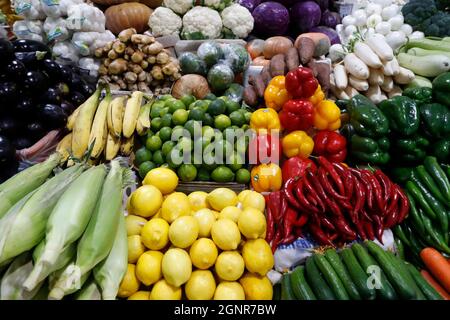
point(90, 291)
point(76, 283)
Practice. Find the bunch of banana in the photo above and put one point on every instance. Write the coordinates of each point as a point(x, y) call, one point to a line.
point(105, 126)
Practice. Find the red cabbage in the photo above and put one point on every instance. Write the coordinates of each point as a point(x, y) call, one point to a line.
point(249, 4)
point(306, 15)
point(271, 19)
point(328, 19)
point(323, 4)
point(330, 33)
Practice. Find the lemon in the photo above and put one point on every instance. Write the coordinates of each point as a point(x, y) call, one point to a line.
point(155, 234)
point(162, 290)
point(243, 194)
point(256, 287)
point(162, 178)
point(203, 253)
point(183, 231)
point(229, 265)
point(135, 248)
point(255, 200)
point(148, 267)
point(222, 197)
point(205, 219)
point(227, 290)
point(197, 199)
point(146, 201)
point(134, 224)
point(252, 223)
point(176, 266)
point(176, 205)
point(130, 283)
point(231, 213)
point(157, 215)
point(201, 285)
point(225, 234)
point(128, 207)
point(258, 256)
point(140, 295)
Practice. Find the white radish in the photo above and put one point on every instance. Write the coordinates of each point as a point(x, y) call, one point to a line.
point(376, 77)
point(373, 8)
point(396, 39)
point(351, 92)
point(378, 44)
point(387, 69)
point(356, 67)
point(340, 77)
point(348, 21)
point(389, 12)
point(340, 94)
point(358, 84)
point(373, 20)
point(375, 95)
point(395, 66)
point(416, 35)
point(388, 84)
point(396, 91)
point(367, 55)
point(361, 17)
point(383, 28)
point(406, 29)
point(369, 32)
point(336, 52)
point(383, 3)
point(405, 76)
point(349, 30)
point(396, 22)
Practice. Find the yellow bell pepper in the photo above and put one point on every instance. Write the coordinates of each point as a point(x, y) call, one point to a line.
point(327, 116)
point(297, 143)
point(276, 94)
point(266, 119)
point(318, 96)
point(266, 177)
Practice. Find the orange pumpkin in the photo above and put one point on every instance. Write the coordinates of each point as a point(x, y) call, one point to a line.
point(127, 15)
point(149, 3)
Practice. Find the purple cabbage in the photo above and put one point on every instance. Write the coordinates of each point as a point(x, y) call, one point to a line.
point(271, 19)
point(330, 33)
point(323, 4)
point(249, 4)
point(328, 19)
point(306, 15)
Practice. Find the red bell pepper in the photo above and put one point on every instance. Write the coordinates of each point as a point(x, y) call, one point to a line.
point(295, 167)
point(330, 145)
point(301, 83)
point(264, 148)
point(297, 115)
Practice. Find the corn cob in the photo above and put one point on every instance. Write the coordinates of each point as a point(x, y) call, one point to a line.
point(42, 294)
point(64, 147)
point(143, 122)
point(77, 284)
point(132, 113)
point(90, 291)
point(114, 118)
point(99, 129)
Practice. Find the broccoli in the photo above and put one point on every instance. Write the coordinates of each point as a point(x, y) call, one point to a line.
point(425, 16)
point(437, 26)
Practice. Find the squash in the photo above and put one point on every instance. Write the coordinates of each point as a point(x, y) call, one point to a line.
point(255, 48)
point(261, 61)
point(127, 15)
point(276, 45)
point(149, 3)
point(190, 63)
point(321, 41)
point(220, 77)
point(193, 84)
point(152, 3)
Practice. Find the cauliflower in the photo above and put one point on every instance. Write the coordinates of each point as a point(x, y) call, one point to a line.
point(238, 19)
point(178, 6)
point(164, 22)
point(201, 23)
point(217, 4)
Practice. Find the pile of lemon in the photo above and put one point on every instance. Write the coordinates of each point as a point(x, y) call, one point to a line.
point(199, 246)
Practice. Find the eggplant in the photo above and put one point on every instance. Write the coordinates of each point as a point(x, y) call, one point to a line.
point(76, 82)
point(52, 68)
point(52, 115)
point(25, 106)
point(77, 98)
point(16, 69)
point(87, 89)
point(6, 50)
point(24, 45)
point(35, 129)
point(66, 74)
point(67, 107)
point(22, 143)
point(63, 88)
point(9, 126)
point(8, 169)
point(6, 150)
point(51, 95)
point(35, 81)
point(31, 59)
point(8, 92)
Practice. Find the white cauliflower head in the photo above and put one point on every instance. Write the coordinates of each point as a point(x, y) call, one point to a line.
point(201, 23)
point(164, 22)
point(217, 4)
point(238, 19)
point(178, 6)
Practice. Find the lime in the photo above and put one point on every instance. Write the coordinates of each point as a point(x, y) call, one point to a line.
point(235, 161)
point(164, 111)
point(222, 174)
point(145, 167)
point(217, 107)
point(222, 122)
point(187, 172)
point(224, 145)
point(142, 155)
point(165, 97)
point(193, 127)
point(229, 134)
point(237, 118)
point(243, 176)
point(232, 106)
point(203, 175)
point(180, 117)
point(187, 99)
point(196, 114)
point(153, 143)
point(210, 96)
point(158, 157)
point(167, 147)
point(174, 105)
point(174, 158)
point(241, 145)
point(178, 132)
point(165, 133)
point(166, 120)
point(247, 116)
point(156, 109)
point(209, 167)
point(156, 124)
point(202, 104)
point(185, 144)
point(245, 127)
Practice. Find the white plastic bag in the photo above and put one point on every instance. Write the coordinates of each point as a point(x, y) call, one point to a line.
point(84, 17)
point(65, 53)
point(87, 42)
point(30, 9)
point(55, 29)
point(29, 29)
point(57, 8)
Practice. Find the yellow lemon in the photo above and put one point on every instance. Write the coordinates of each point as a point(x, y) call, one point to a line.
point(135, 248)
point(140, 295)
point(205, 219)
point(148, 267)
point(162, 290)
point(225, 234)
point(128, 207)
point(201, 285)
point(155, 234)
point(197, 199)
point(254, 200)
point(176, 266)
point(243, 194)
point(229, 265)
point(227, 290)
point(183, 231)
point(203, 253)
point(157, 215)
point(222, 197)
point(134, 224)
point(258, 256)
point(231, 213)
point(256, 287)
point(130, 283)
point(162, 178)
point(146, 201)
point(252, 223)
point(176, 205)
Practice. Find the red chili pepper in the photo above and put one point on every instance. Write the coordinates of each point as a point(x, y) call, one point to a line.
point(288, 223)
point(343, 227)
point(394, 200)
point(343, 200)
point(313, 193)
point(360, 229)
point(264, 148)
point(369, 189)
point(404, 205)
point(386, 184)
point(339, 167)
point(295, 167)
point(379, 228)
point(302, 199)
point(377, 190)
point(301, 83)
point(275, 202)
point(349, 184)
point(369, 230)
point(297, 114)
point(311, 199)
point(316, 185)
point(277, 239)
point(327, 223)
point(319, 235)
point(288, 192)
point(291, 238)
point(301, 221)
point(270, 221)
point(284, 204)
point(298, 232)
point(360, 194)
point(334, 175)
point(331, 145)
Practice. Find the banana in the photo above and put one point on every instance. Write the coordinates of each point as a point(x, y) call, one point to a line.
point(72, 118)
point(131, 114)
point(143, 122)
point(99, 129)
point(115, 115)
point(112, 146)
point(64, 147)
point(127, 146)
point(83, 123)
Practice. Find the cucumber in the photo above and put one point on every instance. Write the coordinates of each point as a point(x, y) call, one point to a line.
point(318, 284)
point(336, 263)
point(396, 277)
point(424, 286)
point(386, 292)
point(286, 288)
point(357, 274)
point(331, 277)
point(301, 288)
point(276, 292)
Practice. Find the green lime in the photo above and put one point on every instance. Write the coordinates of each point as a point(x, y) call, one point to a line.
point(222, 122)
point(175, 105)
point(165, 133)
point(167, 147)
point(208, 120)
point(158, 157)
point(222, 174)
point(165, 97)
point(203, 175)
point(209, 167)
point(232, 106)
point(166, 120)
point(185, 144)
point(153, 143)
point(187, 99)
point(217, 107)
point(210, 96)
point(180, 117)
point(237, 118)
point(235, 161)
point(156, 124)
point(202, 104)
point(242, 145)
point(187, 172)
point(178, 132)
point(174, 158)
point(243, 176)
point(164, 111)
point(248, 115)
point(229, 134)
point(142, 155)
point(224, 145)
point(145, 167)
point(156, 109)
point(224, 98)
point(245, 127)
point(196, 114)
point(193, 127)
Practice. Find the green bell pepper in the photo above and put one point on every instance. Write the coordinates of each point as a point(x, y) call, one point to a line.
point(402, 114)
point(441, 150)
point(401, 174)
point(441, 88)
point(370, 150)
point(366, 118)
point(435, 119)
point(410, 150)
point(420, 95)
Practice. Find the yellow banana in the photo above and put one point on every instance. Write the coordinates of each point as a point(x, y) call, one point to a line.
point(127, 146)
point(143, 122)
point(99, 129)
point(115, 115)
point(131, 114)
point(112, 146)
point(64, 147)
point(72, 118)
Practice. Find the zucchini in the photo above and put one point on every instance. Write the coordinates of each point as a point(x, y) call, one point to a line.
point(396, 276)
point(386, 292)
point(357, 274)
point(301, 288)
point(336, 263)
point(423, 284)
point(276, 292)
point(286, 288)
point(331, 277)
point(318, 284)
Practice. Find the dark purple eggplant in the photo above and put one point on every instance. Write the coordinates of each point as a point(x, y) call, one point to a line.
point(22, 143)
point(87, 89)
point(6, 50)
point(8, 92)
point(6, 149)
point(52, 68)
point(67, 107)
point(35, 81)
point(51, 95)
point(9, 168)
point(23, 45)
point(35, 129)
point(63, 88)
point(76, 82)
point(31, 59)
point(52, 115)
point(16, 69)
point(25, 106)
point(77, 98)
point(66, 74)
point(9, 126)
